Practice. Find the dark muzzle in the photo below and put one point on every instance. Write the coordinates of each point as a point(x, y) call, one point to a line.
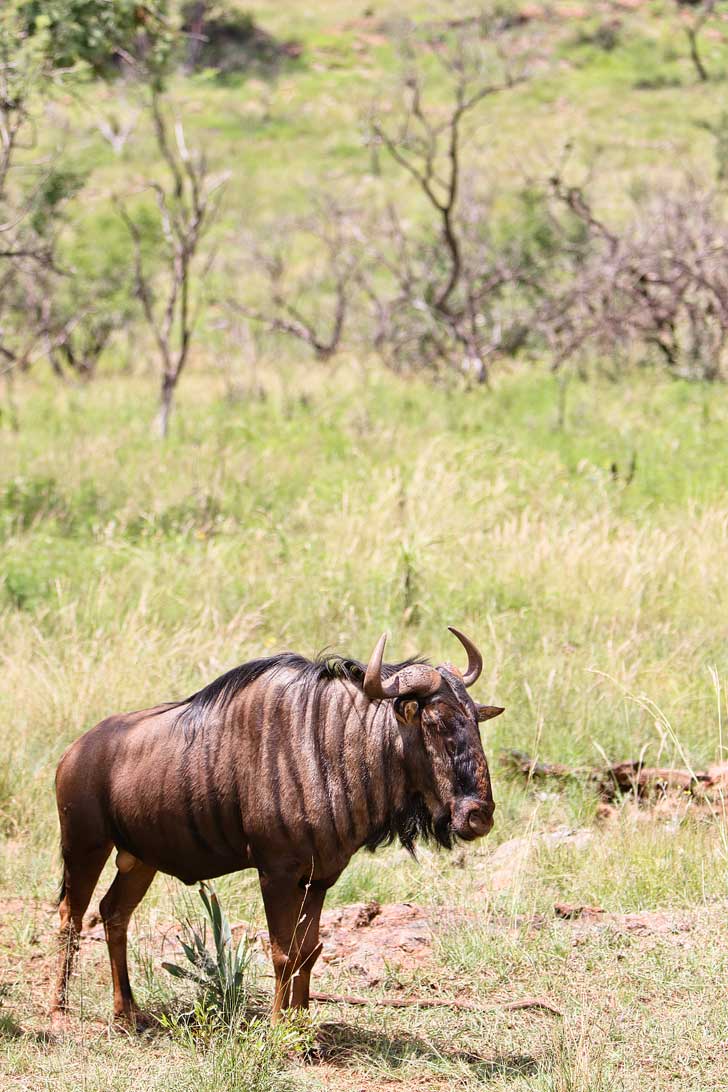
point(472, 818)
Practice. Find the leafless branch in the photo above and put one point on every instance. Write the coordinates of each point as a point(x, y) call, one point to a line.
point(187, 205)
point(660, 282)
point(694, 24)
point(336, 236)
point(447, 274)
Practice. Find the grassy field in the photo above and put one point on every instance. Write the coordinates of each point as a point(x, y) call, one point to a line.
point(580, 538)
point(133, 574)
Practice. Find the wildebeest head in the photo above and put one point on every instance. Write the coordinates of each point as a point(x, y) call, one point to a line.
point(434, 704)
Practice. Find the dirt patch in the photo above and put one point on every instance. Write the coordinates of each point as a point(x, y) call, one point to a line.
point(367, 937)
point(366, 941)
point(652, 922)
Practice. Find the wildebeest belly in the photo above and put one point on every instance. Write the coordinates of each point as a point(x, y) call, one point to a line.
point(195, 867)
point(191, 851)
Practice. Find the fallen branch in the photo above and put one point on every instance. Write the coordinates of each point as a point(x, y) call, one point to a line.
point(435, 1002)
point(571, 911)
point(626, 777)
point(520, 762)
point(643, 780)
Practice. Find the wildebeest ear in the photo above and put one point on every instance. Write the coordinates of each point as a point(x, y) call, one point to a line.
point(487, 712)
point(407, 712)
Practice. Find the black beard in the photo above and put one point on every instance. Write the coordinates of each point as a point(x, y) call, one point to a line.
point(414, 821)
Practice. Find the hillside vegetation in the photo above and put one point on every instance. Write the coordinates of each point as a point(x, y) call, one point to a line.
point(574, 523)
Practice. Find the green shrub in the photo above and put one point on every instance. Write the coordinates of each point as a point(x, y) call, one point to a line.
point(25, 500)
point(94, 32)
point(223, 978)
point(229, 40)
point(25, 583)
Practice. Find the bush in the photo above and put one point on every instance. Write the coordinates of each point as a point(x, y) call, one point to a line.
point(25, 583)
point(605, 36)
point(228, 39)
point(28, 501)
point(654, 289)
point(223, 976)
point(94, 32)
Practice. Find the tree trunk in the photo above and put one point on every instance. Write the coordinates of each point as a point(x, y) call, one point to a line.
point(195, 29)
point(696, 58)
point(165, 407)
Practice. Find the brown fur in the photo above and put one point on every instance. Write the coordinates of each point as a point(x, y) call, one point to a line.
point(282, 765)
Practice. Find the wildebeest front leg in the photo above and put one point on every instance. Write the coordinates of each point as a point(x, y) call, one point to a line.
point(116, 908)
point(293, 913)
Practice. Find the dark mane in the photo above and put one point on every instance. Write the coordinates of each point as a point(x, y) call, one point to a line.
point(313, 674)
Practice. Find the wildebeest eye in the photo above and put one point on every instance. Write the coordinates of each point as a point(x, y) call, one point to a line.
point(447, 723)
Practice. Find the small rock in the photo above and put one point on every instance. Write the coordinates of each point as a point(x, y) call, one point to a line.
point(578, 839)
point(570, 911)
point(367, 937)
point(507, 861)
point(606, 812)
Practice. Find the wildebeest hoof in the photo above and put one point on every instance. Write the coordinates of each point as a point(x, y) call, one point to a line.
point(133, 1020)
point(60, 1022)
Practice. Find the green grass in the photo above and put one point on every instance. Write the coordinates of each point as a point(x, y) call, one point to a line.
point(313, 522)
point(338, 505)
point(296, 506)
point(133, 574)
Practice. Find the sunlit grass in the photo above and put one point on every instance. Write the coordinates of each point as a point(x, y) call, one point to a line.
point(302, 507)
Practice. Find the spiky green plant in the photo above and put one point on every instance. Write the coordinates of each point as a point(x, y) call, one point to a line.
point(223, 976)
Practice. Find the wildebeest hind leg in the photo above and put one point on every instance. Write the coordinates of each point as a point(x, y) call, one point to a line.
point(81, 872)
point(116, 908)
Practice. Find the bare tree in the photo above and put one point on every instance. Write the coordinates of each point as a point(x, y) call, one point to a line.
point(333, 235)
point(694, 23)
point(446, 273)
point(426, 291)
point(116, 127)
point(187, 203)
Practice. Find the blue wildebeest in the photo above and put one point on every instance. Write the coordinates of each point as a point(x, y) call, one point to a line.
point(283, 764)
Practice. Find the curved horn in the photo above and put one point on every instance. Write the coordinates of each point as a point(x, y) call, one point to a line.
point(475, 660)
point(416, 678)
point(373, 687)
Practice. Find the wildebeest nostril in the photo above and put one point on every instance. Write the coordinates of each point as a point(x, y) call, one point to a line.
point(479, 818)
